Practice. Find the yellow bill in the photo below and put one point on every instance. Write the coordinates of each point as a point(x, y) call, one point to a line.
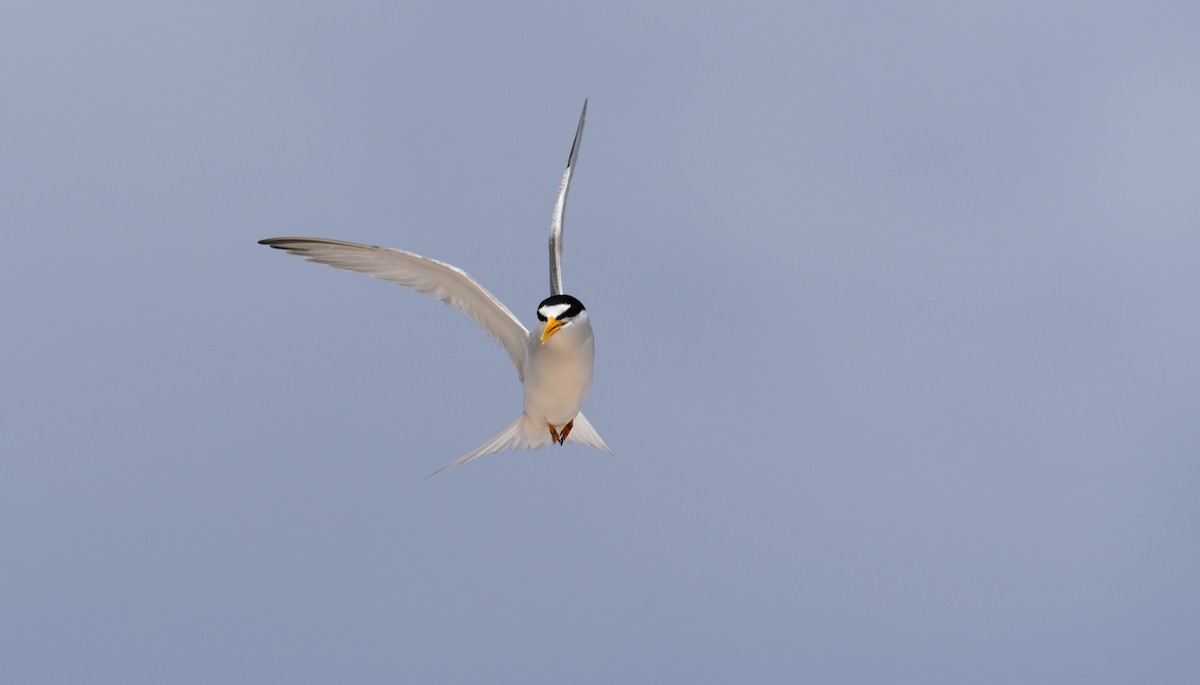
point(552, 326)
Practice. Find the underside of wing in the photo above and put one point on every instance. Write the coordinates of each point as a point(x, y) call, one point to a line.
point(428, 276)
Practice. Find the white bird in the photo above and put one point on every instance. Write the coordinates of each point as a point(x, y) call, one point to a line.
point(553, 362)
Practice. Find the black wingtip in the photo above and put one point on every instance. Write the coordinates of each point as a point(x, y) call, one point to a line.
point(578, 136)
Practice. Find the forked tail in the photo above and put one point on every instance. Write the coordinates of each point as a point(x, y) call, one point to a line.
point(584, 434)
point(523, 434)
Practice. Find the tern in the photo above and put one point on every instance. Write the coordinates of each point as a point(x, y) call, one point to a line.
point(554, 361)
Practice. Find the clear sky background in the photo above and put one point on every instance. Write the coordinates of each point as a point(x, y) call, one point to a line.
point(896, 325)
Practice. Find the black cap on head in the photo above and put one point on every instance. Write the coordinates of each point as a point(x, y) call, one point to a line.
point(573, 306)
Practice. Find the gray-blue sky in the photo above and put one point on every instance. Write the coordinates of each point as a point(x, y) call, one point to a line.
point(896, 335)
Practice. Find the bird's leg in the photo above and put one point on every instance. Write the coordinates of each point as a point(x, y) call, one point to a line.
point(553, 433)
point(566, 431)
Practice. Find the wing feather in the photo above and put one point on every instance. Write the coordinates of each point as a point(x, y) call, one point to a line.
point(428, 276)
point(560, 210)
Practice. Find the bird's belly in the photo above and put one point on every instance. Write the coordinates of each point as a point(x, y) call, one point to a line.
point(556, 386)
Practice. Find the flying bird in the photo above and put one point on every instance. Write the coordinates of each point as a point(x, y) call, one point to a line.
point(554, 361)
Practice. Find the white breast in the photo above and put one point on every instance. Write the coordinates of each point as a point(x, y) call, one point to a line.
point(558, 374)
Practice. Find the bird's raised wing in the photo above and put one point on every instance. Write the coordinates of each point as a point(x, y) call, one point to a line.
point(437, 279)
point(560, 210)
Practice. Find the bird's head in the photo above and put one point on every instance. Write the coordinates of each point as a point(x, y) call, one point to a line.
point(559, 312)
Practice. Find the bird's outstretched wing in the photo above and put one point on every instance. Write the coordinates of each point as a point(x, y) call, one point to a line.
point(560, 209)
point(431, 277)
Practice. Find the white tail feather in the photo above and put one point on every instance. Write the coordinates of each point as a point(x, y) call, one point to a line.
point(584, 434)
point(515, 437)
point(524, 434)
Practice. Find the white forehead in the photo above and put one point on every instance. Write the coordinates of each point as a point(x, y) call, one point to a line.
point(553, 311)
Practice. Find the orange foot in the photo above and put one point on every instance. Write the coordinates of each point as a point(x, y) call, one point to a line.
point(562, 438)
